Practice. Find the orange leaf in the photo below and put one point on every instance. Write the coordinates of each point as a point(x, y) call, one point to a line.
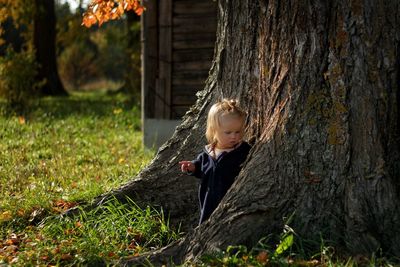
point(74, 185)
point(114, 16)
point(66, 257)
point(110, 4)
point(21, 212)
point(139, 10)
point(105, 10)
point(132, 245)
point(120, 10)
point(5, 216)
point(21, 120)
point(262, 257)
point(55, 251)
point(62, 205)
point(45, 258)
point(88, 20)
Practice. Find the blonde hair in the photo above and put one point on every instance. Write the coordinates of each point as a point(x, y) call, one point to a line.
point(221, 108)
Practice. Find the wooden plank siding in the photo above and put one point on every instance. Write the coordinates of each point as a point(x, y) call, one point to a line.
point(163, 84)
point(178, 38)
point(149, 43)
point(194, 25)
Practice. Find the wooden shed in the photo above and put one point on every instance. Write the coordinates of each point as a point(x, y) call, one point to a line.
point(178, 38)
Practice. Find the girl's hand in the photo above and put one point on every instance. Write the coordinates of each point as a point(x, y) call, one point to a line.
point(187, 166)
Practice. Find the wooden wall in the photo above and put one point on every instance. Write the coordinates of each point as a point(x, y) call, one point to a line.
point(194, 25)
point(178, 45)
point(149, 58)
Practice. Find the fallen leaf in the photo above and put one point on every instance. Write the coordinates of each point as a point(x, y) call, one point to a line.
point(11, 248)
point(262, 257)
point(66, 257)
point(45, 258)
point(304, 263)
point(39, 237)
point(55, 251)
point(117, 111)
point(69, 231)
point(13, 240)
point(14, 260)
point(60, 205)
point(21, 212)
point(21, 120)
point(36, 214)
point(6, 216)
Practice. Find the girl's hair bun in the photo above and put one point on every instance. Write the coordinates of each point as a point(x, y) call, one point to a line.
point(232, 102)
point(229, 104)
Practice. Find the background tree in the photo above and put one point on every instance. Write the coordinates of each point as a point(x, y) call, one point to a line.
point(44, 41)
point(320, 81)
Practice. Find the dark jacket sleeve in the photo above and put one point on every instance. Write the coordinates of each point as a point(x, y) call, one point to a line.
point(197, 163)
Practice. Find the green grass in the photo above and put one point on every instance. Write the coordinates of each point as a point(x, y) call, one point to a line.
point(66, 151)
point(291, 250)
point(71, 149)
point(262, 255)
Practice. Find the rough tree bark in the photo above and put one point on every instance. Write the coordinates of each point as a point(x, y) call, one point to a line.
point(44, 41)
point(320, 81)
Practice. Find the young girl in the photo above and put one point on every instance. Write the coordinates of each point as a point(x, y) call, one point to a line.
point(220, 162)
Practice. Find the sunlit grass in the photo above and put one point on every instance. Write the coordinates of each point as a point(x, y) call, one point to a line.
point(99, 236)
point(72, 149)
point(67, 151)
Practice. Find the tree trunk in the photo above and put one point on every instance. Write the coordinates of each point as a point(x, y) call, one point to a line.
point(44, 41)
point(320, 81)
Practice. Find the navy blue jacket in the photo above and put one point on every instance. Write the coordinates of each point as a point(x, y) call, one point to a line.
point(217, 176)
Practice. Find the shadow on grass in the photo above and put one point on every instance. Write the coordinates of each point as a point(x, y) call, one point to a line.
point(96, 104)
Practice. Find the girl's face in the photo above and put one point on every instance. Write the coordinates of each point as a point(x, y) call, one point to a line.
point(230, 132)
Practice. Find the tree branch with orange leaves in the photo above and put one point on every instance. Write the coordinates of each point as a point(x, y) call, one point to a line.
point(100, 11)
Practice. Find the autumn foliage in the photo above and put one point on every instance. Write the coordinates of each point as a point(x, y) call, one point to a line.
point(100, 11)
